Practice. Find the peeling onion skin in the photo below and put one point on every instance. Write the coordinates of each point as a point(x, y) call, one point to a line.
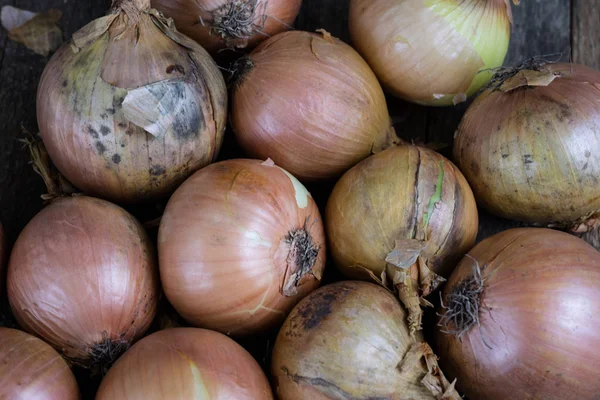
point(431, 66)
point(278, 16)
point(30, 369)
point(310, 103)
point(81, 109)
point(542, 291)
point(529, 154)
point(83, 270)
point(186, 363)
point(385, 198)
point(222, 246)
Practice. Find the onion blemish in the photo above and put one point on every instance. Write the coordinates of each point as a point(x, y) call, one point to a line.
point(301, 259)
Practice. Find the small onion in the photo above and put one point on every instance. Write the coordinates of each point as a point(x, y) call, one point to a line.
point(130, 107)
point(186, 363)
point(311, 103)
point(30, 369)
point(82, 276)
point(522, 312)
point(348, 340)
point(221, 24)
point(240, 243)
point(527, 146)
point(432, 53)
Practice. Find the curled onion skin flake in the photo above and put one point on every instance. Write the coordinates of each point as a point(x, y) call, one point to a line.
point(532, 329)
point(240, 243)
point(223, 24)
point(130, 108)
point(83, 277)
point(31, 369)
point(433, 53)
point(186, 363)
point(311, 103)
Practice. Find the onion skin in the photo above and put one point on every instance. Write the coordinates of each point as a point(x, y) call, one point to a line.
point(223, 248)
point(528, 153)
point(540, 327)
point(82, 273)
point(278, 15)
point(311, 103)
point(87, 98)
point(430, 52)
point(186, 363)
point(31, 369)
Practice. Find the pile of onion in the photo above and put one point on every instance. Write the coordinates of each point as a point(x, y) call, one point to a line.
point(240, 243)
point(129, 108)
point(527, 147)
point(31, 369)
point(186, 363)
point(348, 340)
point(402, 217)
point(431, 53)
point(221, 24)
point(82, 276)
point(521, 316)
point(311, 103)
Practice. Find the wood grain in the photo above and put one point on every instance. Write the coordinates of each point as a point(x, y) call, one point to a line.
point(585, 28)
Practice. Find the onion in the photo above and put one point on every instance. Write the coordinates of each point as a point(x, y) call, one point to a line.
point(431, 53)
point(402, 217)
point(309, 102)
point(348, 340)
point(82, 276)
point(240, 243)
point(31, 369)
point(526, 146)
point(186, 363)
point(220, 24)
point(130, 107)
point(522, 312)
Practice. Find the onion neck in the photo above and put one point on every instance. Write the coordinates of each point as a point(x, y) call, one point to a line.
point(131, 5)
point(301, 258)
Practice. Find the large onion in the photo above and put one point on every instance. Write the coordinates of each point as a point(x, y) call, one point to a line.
point(220, 24)
point(185, 363)
point(349, 340)
point(527, 146)
point(523, 309)
point(130, 107)
point(240, 243)
point(432, 53)
point(82, 276)
point(403, 209)
point(31, 369)
point(311, 103)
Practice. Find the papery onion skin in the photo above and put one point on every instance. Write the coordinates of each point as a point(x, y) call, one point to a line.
point(200, 20)
point(311, 103)
point(31, 369)
point(538, 334)
point(529, 153)
point(386, 198)
point(82, 276)
point(87, 96)
point(224, 248)
point(186, 363)
point(431, 52)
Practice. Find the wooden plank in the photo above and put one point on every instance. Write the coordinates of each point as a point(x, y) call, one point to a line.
point(585, 27)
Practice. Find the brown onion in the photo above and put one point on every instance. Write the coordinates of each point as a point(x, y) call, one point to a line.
point(522, 310)
point(186, 363)
point(432, 53)
point(348, 340)
point(240, 243)
point(82, 276)
point(403, 209)
point(527, 145)
point(30, 369)
point(311, 103)
point(130, 107)
point(220, 24)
